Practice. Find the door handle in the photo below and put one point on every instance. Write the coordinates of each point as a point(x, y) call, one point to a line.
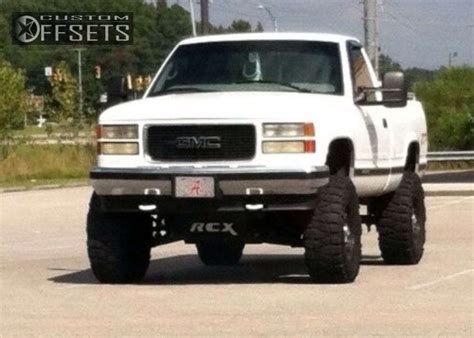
point(384, 122)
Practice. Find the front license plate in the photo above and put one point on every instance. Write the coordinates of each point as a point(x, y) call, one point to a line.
point(194, 187)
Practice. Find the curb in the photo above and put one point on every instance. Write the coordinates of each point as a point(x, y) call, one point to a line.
point(44, 187)
point(448, 189)
point(449, 193)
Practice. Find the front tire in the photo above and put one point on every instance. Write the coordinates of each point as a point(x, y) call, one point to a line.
point(118, 244)
point(332, 238)
point(401, 222)
point(220, 252)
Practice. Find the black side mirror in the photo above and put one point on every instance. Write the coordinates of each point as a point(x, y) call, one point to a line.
point(394, 91)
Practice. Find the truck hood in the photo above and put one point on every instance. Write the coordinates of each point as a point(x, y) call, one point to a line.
point(226, 105)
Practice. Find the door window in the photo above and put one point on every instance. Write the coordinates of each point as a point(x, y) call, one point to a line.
point(360, 70)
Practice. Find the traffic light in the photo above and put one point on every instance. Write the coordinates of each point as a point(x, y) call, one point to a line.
point(97, 72)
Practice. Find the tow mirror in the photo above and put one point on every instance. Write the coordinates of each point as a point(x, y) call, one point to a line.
point(393, 92)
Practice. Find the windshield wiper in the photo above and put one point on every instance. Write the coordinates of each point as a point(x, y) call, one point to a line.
point(181, 90)
point(283, 84)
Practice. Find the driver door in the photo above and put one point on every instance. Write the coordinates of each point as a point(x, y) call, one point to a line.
point(374, 154)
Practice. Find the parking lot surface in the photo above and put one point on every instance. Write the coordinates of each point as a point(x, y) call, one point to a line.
point(46, 287)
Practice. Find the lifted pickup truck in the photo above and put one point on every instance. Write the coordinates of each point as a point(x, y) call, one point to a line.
point(260, 138)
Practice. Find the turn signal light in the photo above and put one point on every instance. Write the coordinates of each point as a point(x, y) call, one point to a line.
point(309, 129)
point(309, 146)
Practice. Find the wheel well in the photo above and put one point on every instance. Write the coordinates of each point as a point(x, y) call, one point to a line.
point(413, 155)
point(340, 157)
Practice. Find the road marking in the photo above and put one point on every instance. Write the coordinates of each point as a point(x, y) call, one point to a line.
point(450, 203)
point(440, 280)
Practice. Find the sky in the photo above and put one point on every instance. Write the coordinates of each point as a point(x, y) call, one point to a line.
point(415, 33)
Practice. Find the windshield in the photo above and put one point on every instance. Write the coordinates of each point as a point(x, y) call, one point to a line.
point(295, 66)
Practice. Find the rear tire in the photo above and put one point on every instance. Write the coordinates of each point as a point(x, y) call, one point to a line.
point(220, 252)
point(118, 244)
point(401, 222)
point(332, 238)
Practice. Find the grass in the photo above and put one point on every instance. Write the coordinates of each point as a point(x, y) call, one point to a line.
point(33, 165)
point(29, 165)
point(44, 182)
point(454, 165)
point(30, 131)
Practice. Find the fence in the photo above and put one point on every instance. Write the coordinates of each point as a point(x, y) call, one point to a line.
point(447, 156)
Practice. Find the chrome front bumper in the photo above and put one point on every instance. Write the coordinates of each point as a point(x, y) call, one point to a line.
point(230, 181)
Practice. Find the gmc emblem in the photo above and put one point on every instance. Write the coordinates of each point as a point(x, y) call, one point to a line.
point(198, 142)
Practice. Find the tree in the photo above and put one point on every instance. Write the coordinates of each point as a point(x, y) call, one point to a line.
point(12, 103)
point(151, 43)
point(448, 101)
point(259, 27)
point(240, 26)
point(386, 64)
point(414, 75)
point(62, 101)
point(172, 24)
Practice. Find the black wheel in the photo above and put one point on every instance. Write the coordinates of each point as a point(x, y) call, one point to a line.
point(401, 222)
point(118, 245)
point(332, 237)
point(220, 252)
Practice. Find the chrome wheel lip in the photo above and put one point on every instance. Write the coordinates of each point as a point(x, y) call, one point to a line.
point(415, 225)
point(349, 241)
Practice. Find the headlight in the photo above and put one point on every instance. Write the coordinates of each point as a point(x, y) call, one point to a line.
point(118, 132)
point(288, 147)
point(288, 129)
point(118, 148)
point(283, 147)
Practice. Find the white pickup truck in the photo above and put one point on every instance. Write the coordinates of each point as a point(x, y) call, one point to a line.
point(260, 138)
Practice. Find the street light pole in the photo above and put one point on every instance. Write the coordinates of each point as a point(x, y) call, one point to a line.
point(79, 75)
point(274, 21)
point(193, 22)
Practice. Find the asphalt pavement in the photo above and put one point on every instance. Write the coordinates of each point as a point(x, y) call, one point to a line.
point(47, 288)
point(442, 177)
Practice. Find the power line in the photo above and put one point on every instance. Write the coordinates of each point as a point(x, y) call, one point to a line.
point(425, 21)
point(402, 23)
point(227, 10)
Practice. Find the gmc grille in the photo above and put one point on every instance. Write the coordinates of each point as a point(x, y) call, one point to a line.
point(201, 142)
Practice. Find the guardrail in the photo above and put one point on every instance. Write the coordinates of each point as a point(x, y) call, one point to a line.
point(446, 156)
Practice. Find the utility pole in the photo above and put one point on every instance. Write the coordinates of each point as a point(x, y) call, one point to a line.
point(79, 75)
point(193, 20)
point(371, 34)
point(204, 17)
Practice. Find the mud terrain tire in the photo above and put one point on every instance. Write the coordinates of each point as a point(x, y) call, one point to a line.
point(332, 239)
point(401, 222)
point(118, 244)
